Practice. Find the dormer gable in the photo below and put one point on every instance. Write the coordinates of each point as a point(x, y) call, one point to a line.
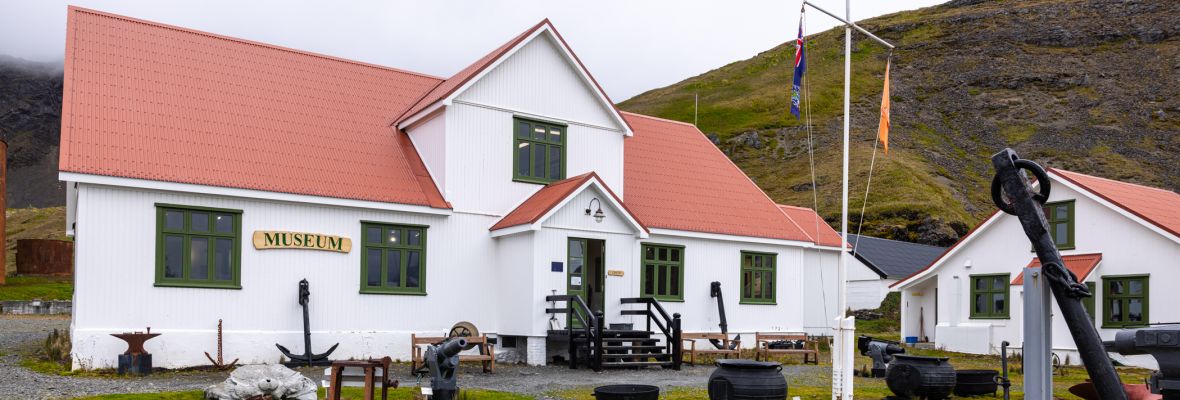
point(495, 78)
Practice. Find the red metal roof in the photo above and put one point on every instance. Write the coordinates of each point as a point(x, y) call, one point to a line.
point(1158, 206)
point(675, 178)
point(812, 224)
point(543, 200)
point(1080, 264)
point(152, 101)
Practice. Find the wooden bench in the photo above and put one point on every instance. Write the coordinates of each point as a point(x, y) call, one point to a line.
point(486, 356)
point(368, 368)
point(762, 350)
point(689, 355)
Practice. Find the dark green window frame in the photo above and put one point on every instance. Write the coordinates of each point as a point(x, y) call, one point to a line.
point(1117, 292)
point(218, 228)
point(662, 271)
point(538, 141)
point(985, 291)
point(396, 243)
point(1060, 216)
point(759, 271)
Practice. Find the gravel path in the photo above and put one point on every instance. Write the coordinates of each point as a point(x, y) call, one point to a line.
point(21, 335)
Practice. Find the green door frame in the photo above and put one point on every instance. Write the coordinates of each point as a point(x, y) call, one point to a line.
point(578, 266)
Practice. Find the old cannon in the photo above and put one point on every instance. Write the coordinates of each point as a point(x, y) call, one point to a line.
point(1161, 342)
point(881, 351)
point(441, 361)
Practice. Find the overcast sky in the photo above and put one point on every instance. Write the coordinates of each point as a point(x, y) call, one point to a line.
point(630, 46)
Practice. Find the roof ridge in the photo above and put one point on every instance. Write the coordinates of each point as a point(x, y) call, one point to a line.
point(1112, 180)
point(658, 119)
point(249, 42)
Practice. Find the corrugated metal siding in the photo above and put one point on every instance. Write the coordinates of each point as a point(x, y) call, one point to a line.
point(429, 139)
point(538, 80)
point(480, 144)
point(819, 289)
point(573, 215)
point(513, 290)
point(116, 264)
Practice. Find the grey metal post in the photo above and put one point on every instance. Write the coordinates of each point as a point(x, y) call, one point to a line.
point(1038, 337)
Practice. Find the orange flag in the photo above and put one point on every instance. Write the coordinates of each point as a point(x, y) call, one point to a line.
point(883, 128)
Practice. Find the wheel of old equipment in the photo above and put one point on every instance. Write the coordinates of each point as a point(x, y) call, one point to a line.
point(1041, 197)
point(465, 329)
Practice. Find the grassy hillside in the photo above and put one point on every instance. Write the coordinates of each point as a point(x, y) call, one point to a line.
point(1086, 85)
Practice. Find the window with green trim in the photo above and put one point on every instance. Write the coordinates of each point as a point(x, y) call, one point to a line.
point(1061, 221)
point(393, 259)
point(1088, 302)
point(989, 296)
point(539, 151)
point(198, 247)
point(758, 273)
point(663, 272)
point(1124, 301)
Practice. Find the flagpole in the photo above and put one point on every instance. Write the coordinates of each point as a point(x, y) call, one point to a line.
point(842, 351)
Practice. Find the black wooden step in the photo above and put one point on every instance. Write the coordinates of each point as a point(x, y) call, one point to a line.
point(637, 347)
point(636, 355)
point(634, 364)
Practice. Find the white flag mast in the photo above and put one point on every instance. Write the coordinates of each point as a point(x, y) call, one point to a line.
point(842, 349)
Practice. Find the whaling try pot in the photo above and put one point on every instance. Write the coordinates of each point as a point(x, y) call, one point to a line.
point(975, 382)
point(747, 380)
point(920, 377)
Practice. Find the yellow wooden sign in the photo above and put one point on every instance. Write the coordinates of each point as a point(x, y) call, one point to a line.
point(614, 272)
point(298, 240)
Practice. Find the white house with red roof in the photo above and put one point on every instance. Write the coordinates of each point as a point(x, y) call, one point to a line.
point(209, 175)
point(1118, 238)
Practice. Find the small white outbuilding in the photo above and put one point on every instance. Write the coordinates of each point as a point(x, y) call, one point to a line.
point(1120, 239)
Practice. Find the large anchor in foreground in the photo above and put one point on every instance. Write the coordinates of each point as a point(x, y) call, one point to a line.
point(1013, 195)
point(307, 358)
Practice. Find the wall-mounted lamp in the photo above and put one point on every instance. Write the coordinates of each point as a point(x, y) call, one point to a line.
point(598, 215)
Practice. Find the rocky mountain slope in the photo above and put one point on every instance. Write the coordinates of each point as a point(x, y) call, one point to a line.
point(1087, 85)
point(30, 121)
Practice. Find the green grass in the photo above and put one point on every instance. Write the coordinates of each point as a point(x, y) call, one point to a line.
point(37, 287)
point(350, 393)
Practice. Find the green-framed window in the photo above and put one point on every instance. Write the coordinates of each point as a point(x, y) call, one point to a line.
point(1060, 216)
point(989, 296)
point(198, 247)
point(1088, 302)
point(393, 258)
point(538, 151)
point(758, 277)
point(663, 272)
point(1124, 301)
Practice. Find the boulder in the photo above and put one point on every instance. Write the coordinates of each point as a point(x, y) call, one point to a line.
point(273, 381)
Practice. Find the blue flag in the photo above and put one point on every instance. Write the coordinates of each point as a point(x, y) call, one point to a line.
point(800, 65)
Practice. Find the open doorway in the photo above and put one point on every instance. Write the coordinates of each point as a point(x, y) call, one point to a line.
point(586, 275)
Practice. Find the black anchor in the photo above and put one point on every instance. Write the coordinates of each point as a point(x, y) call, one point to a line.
point(307, 358)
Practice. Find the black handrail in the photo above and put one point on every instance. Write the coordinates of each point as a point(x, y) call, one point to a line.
point(591, 325)
point(669, 326)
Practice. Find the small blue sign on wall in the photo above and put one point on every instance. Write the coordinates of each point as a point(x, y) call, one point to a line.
point(556, 266)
